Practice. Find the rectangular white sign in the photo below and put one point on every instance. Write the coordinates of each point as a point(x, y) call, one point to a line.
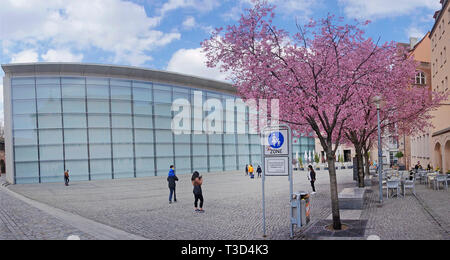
point(277, 166)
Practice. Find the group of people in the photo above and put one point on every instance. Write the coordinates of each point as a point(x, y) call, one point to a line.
point(249, 170)
point(197, 181)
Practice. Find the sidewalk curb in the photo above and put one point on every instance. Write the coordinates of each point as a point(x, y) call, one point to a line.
point(97, 230)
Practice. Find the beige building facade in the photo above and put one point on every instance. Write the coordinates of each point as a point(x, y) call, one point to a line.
point(440, 68)
point(417, 148)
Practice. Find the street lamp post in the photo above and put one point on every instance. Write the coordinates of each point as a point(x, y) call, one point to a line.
point(380, 152)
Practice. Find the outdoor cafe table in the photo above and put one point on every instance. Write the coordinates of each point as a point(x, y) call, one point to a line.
point(430, 177)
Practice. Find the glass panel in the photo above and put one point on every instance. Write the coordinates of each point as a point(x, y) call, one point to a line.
point(199, 150)
point(162, 96)
point(163, 136)
point(74, 106)
point(48, 91)
point(230, 163)
point(122, 121)
point(200, 163)
point(122, 150)
point(50, 137)
point(99, 151)
point(163, 122)
point(182, 150)
point(122, 136)
point(199, 139)
point(78, 170)
point(183, 138)
point(142, 84)
point(143, 108)
point(143, 122)
point(163, 110)
point(73, 91)
point(98, 106)
point(23, 92)
point(101, 169)
point(43, 80)
point(120, 93)
point(25, 137)
point(123, 168)
point(164, 150)
point(182, 165)
point(215, 149)
point(144, 150)
point(52, 171)
point(75, 151)
point(243, 149)
point(24, 106)
point(75, 121)
point(25, 153)
point(98, 121)
point(145, 167)
point(230, 149)
point(99, 136)
point(51, 152)
point(27, 172)
point(116, 82)
point(98, 92)
point(97, 81)
point(142, 94)
point(163, 164)
point(215, 163)
point(24, 121)
point(73, 80)
point(20, 81)
point(75, 136)
point(50, 106)
point(143, 136)
point(49, 121)
point(121, 107)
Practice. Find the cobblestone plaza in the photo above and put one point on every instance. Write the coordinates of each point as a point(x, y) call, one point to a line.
point(140, 208)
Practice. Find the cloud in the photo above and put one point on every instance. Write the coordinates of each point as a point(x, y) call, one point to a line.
point(25, 56)
point(199, 5)
point(302, 9)
point(189, 23)
point(61, 56)
point(193, 62)
point(414, 31)
point(120, 29)
point(374, 9)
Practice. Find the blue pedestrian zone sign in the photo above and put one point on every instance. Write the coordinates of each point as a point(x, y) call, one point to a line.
point(276, 143)
point(276, 140)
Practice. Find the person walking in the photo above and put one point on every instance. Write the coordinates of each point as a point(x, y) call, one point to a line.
point(66, 177)
point(250, 171)
point(246, 170)
point(312, 178)
point(197, 182)
point(259, 171)
point(171, 179)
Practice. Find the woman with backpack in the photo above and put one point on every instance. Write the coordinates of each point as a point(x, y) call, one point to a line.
point(197, 182)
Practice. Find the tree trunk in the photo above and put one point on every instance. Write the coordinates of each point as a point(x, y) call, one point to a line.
point(359, 158)
point(333, 190)
point(367, 166)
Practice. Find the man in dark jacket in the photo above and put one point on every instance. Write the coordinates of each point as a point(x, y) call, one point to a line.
point(171, 179)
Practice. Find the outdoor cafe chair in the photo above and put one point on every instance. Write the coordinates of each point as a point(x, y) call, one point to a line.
point(391, 185)
point(441, 178)
point(410, 184)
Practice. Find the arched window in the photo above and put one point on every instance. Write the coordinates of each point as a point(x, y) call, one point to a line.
point(420, 78)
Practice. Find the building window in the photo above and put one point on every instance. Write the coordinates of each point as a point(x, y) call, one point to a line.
point(420, 78)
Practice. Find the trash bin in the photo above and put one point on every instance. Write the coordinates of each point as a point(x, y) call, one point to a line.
point(300, 207)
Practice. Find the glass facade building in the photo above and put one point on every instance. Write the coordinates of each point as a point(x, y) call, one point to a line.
point(113, 125)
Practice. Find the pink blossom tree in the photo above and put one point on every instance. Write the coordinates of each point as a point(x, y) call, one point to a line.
point(406, 106)
point(317, 74)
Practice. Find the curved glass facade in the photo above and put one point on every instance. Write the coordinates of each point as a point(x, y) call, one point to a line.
point(107, 128)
